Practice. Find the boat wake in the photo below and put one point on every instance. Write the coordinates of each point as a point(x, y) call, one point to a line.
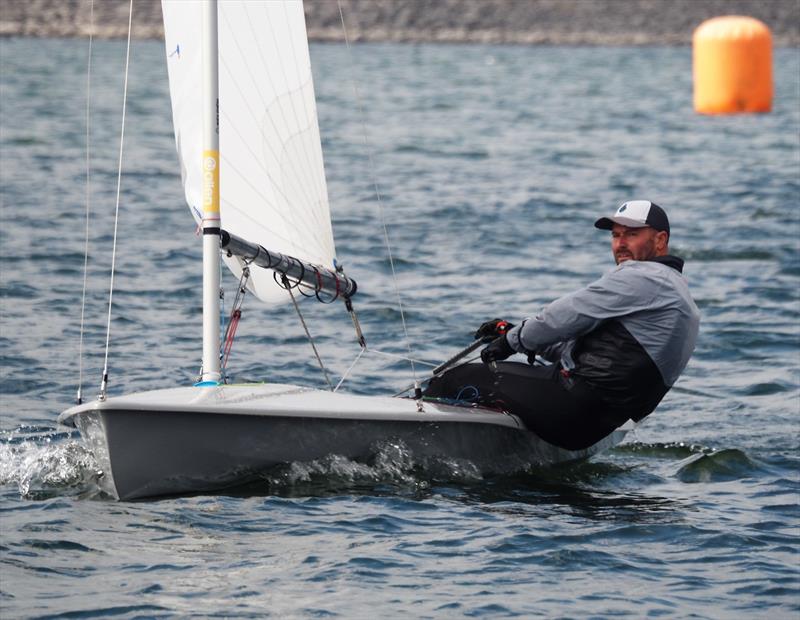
point(43, 462)
point(697, 463)
point(392, 466)
point(721, 466)
point(40, 463)
point(671, 450)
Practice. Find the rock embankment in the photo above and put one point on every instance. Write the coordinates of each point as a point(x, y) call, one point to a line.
point(553, 22)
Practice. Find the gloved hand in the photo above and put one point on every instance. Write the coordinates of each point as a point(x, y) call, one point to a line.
point(492, 329)
point(498, 349)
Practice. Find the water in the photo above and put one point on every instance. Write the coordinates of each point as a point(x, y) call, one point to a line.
point(492, 163)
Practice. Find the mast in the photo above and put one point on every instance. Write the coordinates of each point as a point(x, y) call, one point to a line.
point(211, 219)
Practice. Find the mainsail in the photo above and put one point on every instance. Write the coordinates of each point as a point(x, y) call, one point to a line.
point(272, 179)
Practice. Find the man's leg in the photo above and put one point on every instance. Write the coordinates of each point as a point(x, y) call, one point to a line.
point(473, 383)
point(565, 414)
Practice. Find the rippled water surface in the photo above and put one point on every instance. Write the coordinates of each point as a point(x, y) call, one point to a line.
point(492, 163)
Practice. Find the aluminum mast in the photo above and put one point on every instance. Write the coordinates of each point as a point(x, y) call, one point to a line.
point(211, 220)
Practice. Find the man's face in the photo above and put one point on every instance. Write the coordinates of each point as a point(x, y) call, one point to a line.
point(636, 243)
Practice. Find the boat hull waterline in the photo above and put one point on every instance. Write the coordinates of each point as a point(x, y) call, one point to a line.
point(201, 439)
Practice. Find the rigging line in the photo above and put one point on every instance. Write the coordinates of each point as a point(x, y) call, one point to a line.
point(347, 372)
point(224, 325)
point(79, 396)
point(233, 323)
point(104, 382)
point(288, 288)
point(291, 247)
point(377, 193)
point(403, 357)
point(431, 376)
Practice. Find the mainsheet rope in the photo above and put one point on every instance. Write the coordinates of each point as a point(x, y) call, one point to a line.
point(104, 383)
point(377, 193)
point(393, 356)
point(79, 396)
point(347, 372)
point(289, 287)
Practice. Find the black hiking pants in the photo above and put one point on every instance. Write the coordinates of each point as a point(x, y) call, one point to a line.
point(562, 410)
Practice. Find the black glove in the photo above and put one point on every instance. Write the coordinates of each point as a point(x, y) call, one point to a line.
point(498, 349)
point(492, 329)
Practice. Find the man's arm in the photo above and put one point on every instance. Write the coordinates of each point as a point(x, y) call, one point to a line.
point(553, 353)
point(624, 290)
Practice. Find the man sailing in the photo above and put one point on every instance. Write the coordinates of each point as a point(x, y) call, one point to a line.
point(617, 345)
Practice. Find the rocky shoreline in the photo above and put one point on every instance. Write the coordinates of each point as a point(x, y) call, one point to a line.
point(525, 22)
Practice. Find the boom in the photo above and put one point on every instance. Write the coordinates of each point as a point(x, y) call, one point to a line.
point(319, 279)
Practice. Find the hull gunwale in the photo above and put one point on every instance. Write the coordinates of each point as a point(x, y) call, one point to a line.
point(188, 445)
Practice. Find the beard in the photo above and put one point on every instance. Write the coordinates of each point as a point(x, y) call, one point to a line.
point(645, 252)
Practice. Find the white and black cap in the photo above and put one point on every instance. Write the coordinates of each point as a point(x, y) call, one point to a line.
point(636, 214)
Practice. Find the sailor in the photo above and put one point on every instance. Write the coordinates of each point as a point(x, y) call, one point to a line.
point(616, 346)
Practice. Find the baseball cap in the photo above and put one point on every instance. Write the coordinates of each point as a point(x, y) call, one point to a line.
point(636, 214)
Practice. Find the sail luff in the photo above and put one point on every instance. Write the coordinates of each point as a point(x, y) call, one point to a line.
point(273, 188)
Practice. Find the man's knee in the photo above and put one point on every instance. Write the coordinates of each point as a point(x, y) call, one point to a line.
point(469, 382)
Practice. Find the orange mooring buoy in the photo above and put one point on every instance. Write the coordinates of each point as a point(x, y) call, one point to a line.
point(732, 66)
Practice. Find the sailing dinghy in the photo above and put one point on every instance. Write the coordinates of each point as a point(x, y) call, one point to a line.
point(252, 171)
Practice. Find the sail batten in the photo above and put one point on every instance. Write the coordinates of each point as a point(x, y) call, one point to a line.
point(272, 180)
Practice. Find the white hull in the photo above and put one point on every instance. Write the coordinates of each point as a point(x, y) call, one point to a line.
point(194, 439)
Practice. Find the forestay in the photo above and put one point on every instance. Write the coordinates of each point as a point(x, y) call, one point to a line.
point(272, 179)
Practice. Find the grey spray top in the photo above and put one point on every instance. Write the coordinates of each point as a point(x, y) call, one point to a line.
point(649, 298)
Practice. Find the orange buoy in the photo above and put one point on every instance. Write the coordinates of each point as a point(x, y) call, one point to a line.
point(732, 66)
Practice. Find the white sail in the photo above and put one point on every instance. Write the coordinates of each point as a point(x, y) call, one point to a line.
point(272, 179)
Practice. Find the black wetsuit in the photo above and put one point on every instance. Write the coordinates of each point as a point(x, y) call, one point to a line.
point(617, 345)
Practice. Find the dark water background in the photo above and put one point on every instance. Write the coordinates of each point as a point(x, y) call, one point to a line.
point(493, 163)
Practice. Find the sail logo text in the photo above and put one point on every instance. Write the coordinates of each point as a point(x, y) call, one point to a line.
point(210, 183)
